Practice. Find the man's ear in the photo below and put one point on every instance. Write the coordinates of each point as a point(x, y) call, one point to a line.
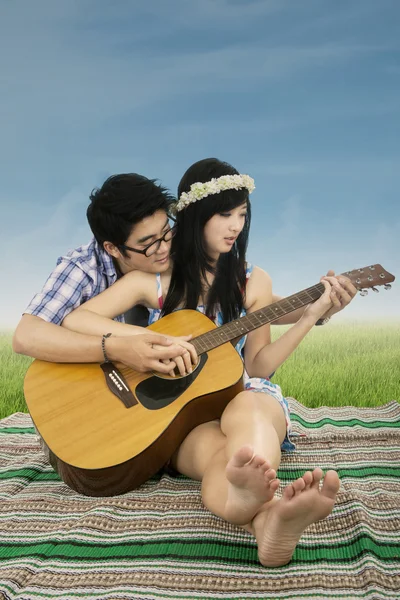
point(111, 249)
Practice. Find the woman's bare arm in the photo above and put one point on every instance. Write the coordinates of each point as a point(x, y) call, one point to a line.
point(95, 317)
point(261, 356)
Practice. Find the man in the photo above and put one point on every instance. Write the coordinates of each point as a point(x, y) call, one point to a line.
point(128, 216)
point(127, 211)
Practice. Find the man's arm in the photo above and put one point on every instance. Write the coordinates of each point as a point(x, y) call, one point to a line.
point(40, 335)
point(39, 339)
point(47, 341)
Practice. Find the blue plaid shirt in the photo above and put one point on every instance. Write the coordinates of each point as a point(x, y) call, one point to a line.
point(79, 275)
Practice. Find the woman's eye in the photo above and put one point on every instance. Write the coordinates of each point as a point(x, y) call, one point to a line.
point(224, 214)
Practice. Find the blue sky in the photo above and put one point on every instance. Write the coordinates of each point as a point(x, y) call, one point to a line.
point(303, 96)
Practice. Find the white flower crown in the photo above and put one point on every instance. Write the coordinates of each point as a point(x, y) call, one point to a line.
point(199, 190)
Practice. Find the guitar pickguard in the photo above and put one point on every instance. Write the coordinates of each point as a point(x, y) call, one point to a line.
point(155, 392)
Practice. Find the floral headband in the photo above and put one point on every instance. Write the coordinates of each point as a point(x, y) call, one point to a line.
point(198, 190)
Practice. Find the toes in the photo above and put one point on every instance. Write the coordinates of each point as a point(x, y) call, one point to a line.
point(317, 476)
point(299, 485)
point(288, 492)
point(308, 479)
point(331, 485)
point(270, 475)
point(242, 456)
point(294, 488)
point(274, 485)
point(259, 461)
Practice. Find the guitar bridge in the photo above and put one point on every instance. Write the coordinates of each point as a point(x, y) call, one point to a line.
point(118, 385)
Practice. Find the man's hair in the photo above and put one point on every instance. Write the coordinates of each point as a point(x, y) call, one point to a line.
point(122, 202)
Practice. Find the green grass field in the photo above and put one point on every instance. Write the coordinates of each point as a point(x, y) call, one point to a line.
point(336, 365)
point(346, 364)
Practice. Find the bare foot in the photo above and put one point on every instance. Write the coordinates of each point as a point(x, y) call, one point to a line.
point(279, 527)
point(252, 482)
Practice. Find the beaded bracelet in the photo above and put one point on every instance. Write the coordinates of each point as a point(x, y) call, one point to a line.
point(103, 346)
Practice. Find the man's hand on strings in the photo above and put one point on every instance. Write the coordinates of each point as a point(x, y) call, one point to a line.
point(185, 359)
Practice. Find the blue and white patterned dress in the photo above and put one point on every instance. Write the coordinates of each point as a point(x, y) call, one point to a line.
point(256, 384)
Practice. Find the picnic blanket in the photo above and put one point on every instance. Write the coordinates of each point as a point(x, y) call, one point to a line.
point(159, 542)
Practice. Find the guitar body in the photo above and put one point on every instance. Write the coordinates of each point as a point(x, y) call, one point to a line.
point(102, 447)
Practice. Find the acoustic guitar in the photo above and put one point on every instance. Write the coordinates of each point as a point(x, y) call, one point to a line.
point(108, 428)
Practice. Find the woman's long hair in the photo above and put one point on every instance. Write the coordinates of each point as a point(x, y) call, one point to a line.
point(191, 262)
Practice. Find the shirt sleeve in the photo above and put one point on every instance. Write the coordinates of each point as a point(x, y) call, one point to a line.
point(67, 287)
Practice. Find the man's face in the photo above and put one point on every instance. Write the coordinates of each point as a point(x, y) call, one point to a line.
point(149, 230)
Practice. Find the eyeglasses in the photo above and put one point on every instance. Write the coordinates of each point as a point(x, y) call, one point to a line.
point(154, 246)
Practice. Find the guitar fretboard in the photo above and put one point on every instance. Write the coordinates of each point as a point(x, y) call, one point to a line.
point(268, 314)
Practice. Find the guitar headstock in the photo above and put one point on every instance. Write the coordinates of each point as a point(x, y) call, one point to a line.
point(370, 277)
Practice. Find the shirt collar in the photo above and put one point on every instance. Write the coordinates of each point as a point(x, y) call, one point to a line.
point(106, 264)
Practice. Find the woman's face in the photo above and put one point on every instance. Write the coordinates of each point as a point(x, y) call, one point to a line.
point(222, 230)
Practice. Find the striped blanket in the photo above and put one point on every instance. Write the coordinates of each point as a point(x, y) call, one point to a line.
point(158, 542)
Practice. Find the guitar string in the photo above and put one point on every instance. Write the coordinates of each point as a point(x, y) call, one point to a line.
point(239, 327)
point(243, 325)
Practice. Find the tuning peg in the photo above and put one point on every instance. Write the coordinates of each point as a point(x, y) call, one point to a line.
point(374, 289)
point(363, 292)
point(387, 286)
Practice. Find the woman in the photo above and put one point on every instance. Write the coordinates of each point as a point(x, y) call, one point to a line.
point(235, 458)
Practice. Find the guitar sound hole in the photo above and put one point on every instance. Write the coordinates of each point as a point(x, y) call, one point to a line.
point(155, 392)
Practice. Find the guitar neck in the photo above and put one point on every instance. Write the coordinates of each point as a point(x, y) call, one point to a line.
point(268, 314)
point(364, 278)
